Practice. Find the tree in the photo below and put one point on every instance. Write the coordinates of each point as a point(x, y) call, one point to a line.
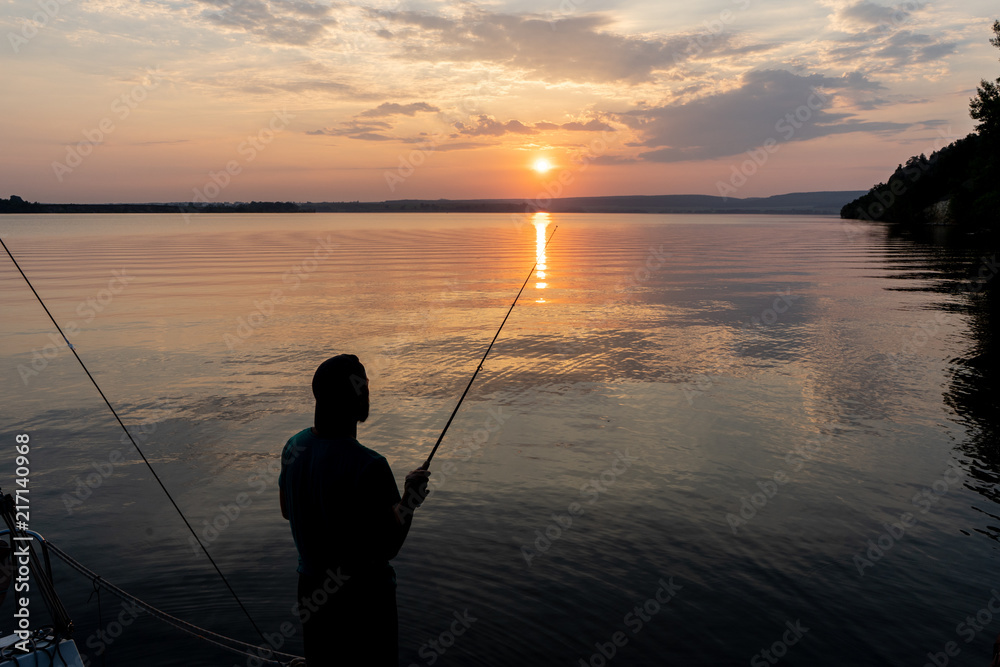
point(985, 107)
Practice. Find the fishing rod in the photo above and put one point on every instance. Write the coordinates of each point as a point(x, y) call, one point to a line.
point(427, 463)
point(136, 445)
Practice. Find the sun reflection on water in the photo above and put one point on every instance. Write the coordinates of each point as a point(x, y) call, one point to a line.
point(541, 221)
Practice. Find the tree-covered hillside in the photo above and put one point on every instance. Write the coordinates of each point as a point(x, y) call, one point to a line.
point(959, 183)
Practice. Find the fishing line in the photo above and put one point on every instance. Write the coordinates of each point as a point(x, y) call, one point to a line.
point(137, 448)
point(427, 463)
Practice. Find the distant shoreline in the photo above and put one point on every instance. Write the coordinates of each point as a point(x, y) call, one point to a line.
point(802, 203)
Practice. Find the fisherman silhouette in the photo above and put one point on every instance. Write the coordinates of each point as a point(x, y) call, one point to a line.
point(348, 520)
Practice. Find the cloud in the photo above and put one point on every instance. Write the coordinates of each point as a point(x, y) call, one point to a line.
point(881, 52)
point(394, 109)
point(371, 136)
point(460, 146)
point(906, 47)
point(875, 37)
point(263, 87)
point(280, 21)
point(590, 126)
point(352, 127)
point(613, 159)
point(577, 48)
point(858, 81)
point(770, 104)
point(486, 126)
point(374, 131)
point(364, 128)
point(871, 14)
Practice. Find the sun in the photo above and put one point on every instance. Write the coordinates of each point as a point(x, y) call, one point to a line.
point(542, 165)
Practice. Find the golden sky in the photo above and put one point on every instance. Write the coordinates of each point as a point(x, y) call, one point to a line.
point(292, 100)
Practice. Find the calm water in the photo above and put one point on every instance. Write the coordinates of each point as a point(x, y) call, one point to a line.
point(743, 407)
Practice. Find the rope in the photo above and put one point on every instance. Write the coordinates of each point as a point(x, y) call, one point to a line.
point(137, 448)
point(235, 645)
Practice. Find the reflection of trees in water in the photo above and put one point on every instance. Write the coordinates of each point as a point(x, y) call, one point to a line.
point(957, 264)
point(974, 392)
